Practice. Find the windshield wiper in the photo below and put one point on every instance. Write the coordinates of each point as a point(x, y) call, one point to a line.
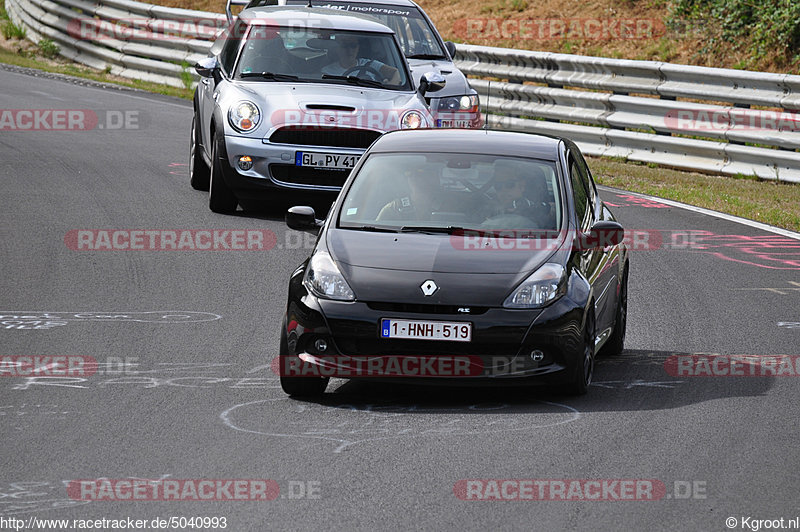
point(374, 228)
point(425, 56)
point(356, 80)
point(269, 75)
point(449, 230)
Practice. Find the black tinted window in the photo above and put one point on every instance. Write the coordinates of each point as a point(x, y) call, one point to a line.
point(231, 38)
point(580, 193)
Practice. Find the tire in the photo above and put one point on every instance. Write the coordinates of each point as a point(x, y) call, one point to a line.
point(299, 386)
point(584, 369)
point(220, 198)
point(199, 172)
point(616, 342)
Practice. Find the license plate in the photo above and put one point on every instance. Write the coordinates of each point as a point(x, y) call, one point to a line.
point(453, 123)
point(325, 160)
point(454, 331)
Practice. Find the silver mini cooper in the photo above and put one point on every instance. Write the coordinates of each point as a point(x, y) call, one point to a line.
point(291, 98)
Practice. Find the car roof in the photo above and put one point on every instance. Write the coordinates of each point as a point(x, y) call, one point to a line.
point(491, 142)
point(294, 16)
point(320, 3)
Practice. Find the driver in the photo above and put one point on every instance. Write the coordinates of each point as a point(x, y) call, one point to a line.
point(509, 186)
point(421, 201)
point(346, 59)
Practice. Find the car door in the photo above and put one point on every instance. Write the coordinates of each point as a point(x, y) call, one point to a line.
point(600, 262)
point(225, 49)
point(588, 260)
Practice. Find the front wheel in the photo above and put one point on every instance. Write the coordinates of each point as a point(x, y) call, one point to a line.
point(616, 342)
point(299, 386)
point(199, 172)
point(220, 198)
point(584, 369)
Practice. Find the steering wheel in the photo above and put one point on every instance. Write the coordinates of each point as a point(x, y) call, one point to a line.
point(375, 74)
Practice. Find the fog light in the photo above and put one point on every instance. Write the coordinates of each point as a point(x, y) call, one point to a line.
point(321, 345)
point(245, 162)
point(537, 356)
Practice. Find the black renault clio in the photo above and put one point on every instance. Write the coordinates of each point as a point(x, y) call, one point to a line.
point(476, 257)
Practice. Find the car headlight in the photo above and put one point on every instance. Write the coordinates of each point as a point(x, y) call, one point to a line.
point(325, 280)
point(244, 116)
point(541, 288)
point(460, 104)
point(412, 120)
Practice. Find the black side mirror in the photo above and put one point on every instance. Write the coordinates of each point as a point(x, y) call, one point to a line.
point(303, 218)
point(603, 234)
point(431, 82)
point(450, 46)
point(207, 67)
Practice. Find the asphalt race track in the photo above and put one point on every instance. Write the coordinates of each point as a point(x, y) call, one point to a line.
point(184, 339)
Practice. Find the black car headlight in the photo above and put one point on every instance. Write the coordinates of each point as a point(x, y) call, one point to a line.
point(244, 116)
point(460, 104)
point(324, 279)
point(541, 288)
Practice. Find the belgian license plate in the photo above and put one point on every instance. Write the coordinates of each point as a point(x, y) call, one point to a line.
point(325, 160)
point(453, 123)
point(454, 331)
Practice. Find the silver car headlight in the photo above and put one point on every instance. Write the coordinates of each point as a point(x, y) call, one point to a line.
point(244, 116)
point(412, 120)
point(324, 279)
point(541, 288)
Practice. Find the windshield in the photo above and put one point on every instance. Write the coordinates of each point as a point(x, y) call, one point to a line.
point(276, 53)
point(453, 191)
point(416, 35)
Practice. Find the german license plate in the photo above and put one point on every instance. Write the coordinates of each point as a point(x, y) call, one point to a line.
point(461, 124)
point(325, 160)
point(454, 331)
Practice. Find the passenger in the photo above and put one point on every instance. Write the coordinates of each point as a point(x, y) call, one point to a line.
point(347, 62)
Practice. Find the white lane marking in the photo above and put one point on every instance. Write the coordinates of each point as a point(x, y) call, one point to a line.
point(709, 212)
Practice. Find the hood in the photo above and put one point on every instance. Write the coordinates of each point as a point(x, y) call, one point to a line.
point(325, 104)
point(457, 84)
point(392, 267)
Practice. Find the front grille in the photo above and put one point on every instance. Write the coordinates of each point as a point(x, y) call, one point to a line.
point(322, 136)
point(303, 175)
point(426, 309)
point(375, 346)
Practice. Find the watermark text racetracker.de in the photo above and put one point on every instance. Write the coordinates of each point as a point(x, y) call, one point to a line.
point(608, 489)
point(72, 119)
point(698, 365)
point(544, 29)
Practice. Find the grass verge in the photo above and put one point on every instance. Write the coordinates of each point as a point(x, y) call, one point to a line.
point(62, 67)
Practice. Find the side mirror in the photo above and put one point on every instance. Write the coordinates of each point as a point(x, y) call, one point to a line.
point(303, 218)
point(450, 46)
point(431, 82)
point(602, 234)
point(206, 67)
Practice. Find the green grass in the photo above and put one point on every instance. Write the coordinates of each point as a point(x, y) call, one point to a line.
point(48, 48)
point(12, 31)
point(25, 60)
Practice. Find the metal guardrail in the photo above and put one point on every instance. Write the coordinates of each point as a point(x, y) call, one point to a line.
point(93, 33)
point(688, 117)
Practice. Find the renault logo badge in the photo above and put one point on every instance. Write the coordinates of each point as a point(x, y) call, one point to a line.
point(429, 287)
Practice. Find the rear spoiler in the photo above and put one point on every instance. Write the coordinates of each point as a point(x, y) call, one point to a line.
point(234, 3)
